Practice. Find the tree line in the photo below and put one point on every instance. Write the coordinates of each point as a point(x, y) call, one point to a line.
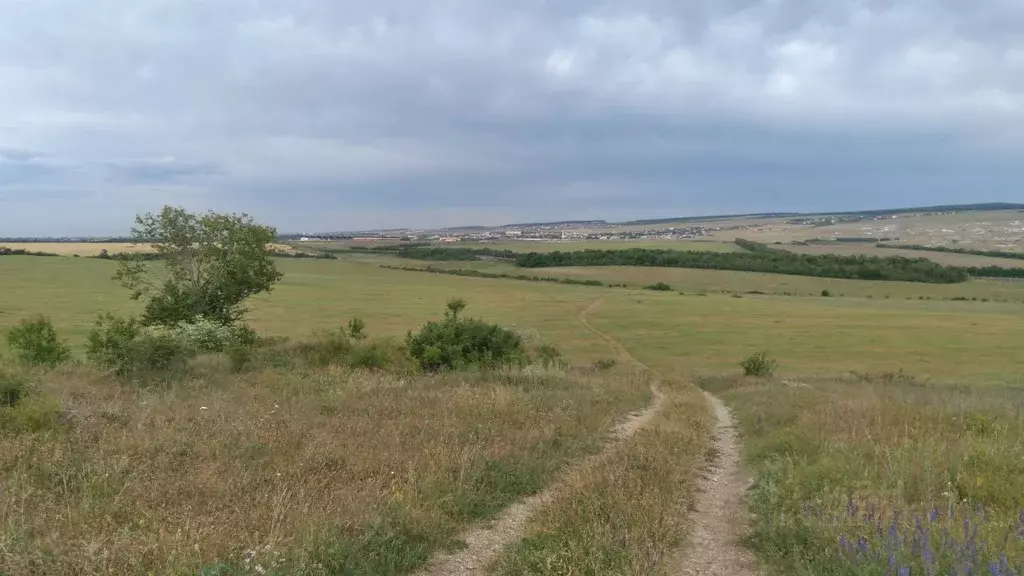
point(951, 250)
point(772, 261)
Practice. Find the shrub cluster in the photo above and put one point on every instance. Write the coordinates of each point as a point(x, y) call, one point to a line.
point(127, 347)
point(760, 365)
point(455, 342)
point(35, 341)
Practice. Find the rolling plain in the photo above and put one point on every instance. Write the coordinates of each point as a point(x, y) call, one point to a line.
point(891, 432)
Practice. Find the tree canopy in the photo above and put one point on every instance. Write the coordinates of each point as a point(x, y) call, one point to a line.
point(208, 264)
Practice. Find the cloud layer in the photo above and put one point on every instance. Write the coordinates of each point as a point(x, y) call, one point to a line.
point(325, 115)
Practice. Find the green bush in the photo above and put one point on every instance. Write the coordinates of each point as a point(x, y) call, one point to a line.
point(13, 387)
point(124, 346)
point(658, 286)
point(35, 413)
point(34, 341)
point(760, 365)
point(455, 342)
point(550, 356)
point(826, 293)
point(357, 329)
point(239, 356)
point(326, 348)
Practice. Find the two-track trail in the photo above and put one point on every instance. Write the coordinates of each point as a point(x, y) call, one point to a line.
point(485, 543)
point(713, 547)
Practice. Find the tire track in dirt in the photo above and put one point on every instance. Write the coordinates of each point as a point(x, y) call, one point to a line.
point(714, 545)
point(485, 543)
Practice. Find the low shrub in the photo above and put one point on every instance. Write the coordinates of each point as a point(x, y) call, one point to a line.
point(35, 341)
point(760, 365)
point(605, 364)
point(204, 336)
point(826, 293)
point(549, 356)
point(357, 328)
point(125, 347)
point(13, 387)
point(325, 348)
point(34, 413)
point(658, 286)
point(456, 342)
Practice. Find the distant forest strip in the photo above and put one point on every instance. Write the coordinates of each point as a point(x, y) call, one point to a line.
point(763, 260)
point(757, 258)
point(951, 250)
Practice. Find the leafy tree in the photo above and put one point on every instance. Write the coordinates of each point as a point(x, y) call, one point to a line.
point(210, 263)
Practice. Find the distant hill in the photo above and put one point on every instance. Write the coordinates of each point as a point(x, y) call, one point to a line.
point(983, 207)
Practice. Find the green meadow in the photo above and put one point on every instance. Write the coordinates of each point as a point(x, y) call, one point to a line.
point(874, 384)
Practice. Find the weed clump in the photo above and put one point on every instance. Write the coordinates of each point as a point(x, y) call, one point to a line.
point(13, 387)
point(549, 356)
point(35, 342)
point(759, 365)
point(455, 342)
point(21, 409)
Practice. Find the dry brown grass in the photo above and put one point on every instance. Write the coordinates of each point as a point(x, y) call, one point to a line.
point(625, 512)
point(320, 471)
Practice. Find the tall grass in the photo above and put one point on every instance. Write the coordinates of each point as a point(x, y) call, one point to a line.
point(294, 471)
point(622, 513)
point(884, 475)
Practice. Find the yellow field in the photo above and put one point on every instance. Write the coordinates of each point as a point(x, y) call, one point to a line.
point(86, 249)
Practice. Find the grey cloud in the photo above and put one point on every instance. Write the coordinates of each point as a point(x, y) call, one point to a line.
point(532, 108)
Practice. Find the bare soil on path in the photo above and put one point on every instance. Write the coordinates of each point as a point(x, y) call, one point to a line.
point(719, 521)
point(485, 543)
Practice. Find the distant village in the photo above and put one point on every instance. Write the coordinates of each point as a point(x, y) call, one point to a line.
point(561, 232)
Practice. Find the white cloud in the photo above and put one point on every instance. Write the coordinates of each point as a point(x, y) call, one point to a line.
point(448, 96)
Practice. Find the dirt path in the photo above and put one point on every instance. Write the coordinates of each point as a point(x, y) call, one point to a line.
point(484, 544)
point(714, 547)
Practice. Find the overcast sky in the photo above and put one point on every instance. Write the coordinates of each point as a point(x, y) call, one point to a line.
point(333, 114)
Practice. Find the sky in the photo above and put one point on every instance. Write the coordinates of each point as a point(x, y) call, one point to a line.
point(327, 115)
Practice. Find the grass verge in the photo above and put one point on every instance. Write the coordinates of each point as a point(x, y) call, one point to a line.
point(883, 475)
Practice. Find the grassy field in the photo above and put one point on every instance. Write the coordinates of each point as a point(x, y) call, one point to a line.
point(318, 473)
point(221, 467)
point(693, 281)
point(883, 473)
